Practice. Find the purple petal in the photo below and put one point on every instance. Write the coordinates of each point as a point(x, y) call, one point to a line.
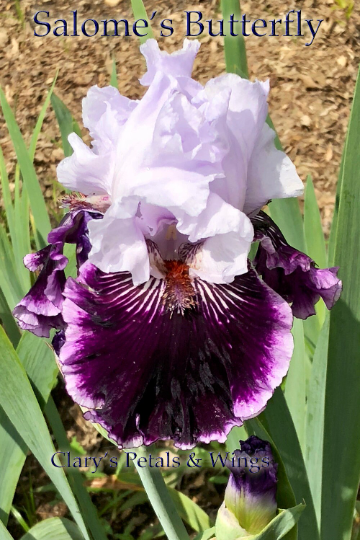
point(33, 261)
point(290, 272)
point(147, 371)
point(40, 310)
point(73, 229)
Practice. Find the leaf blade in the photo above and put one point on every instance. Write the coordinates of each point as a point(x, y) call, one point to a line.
point(21, 407)
point(54, 529)
point(341, 476)
point(31, 183)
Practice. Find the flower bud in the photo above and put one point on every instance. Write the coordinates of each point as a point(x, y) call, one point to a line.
point(250, 496)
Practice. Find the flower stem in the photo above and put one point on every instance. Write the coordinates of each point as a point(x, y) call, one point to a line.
point(160, 500)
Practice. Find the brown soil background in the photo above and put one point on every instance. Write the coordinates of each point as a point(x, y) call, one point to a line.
point(311, 86)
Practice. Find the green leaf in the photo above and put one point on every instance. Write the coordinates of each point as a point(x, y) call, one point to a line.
point(278, 422)
point(38, 360)
point(66, 123)
point(71, 267)
point(341, 470)
point(206, 535)
point(287, 216)
point(314, 236)
point(295, 389)
point(235, 51)
point(4, 534)
point(189, 511)
point(8, 321)
point(6, 194)
point(40, 120)
point(113, 78)
point(331, 248)
point(162, 504)
point(284, 496)
point(236, 435)
point(140, 13)
point(31, 183)
point(315, 418)
point(316, 249)
point(20, 405)
point(54, 529)
point(281, 524)
point(9, 280)
point(76, 479)
point(21, 242)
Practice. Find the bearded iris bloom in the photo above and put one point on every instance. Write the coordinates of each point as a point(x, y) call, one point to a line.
point(250, 496)
point(168, 331)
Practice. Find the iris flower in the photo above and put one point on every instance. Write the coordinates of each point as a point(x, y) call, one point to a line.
point(168, 331)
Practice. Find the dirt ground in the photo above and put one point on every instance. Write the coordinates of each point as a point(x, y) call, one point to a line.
point(311, 86)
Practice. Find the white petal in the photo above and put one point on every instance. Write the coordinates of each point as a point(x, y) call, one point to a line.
point(218, 217)
point(271, 174)
point(118, 245)
point(85, 171)
point(221, 258)
point(105, 111)
point(177, 64)
point(244, 119)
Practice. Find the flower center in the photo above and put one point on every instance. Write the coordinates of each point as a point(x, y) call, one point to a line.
point(179, 293)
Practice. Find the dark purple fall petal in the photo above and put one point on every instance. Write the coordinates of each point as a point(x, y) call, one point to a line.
point(73, 230)
point(41, 309)
point(146, 373)
point(290, 272)
point(251, 491)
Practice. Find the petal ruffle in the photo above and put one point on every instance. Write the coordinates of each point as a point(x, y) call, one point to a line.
point(290, 272)
point(146, 373)
point(178, 64)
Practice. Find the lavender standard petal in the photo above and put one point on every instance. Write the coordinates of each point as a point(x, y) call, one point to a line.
point(290, 272)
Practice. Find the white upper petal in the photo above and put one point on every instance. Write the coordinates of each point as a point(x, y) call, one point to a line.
point(271, 174)
point(85, 171)
point(118, 244)
point(105, 111)
point(245, 116)
point(178, 64)
point(221, 258)
point(198, 158)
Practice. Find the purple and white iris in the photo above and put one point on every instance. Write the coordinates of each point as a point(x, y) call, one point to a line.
point(168, 332)
point(250, 496)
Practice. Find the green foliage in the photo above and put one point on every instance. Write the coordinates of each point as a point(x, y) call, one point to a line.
point(342, 398)
point(346, 5)
point(66, 122)
point(38, 207)
point(54, 529)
